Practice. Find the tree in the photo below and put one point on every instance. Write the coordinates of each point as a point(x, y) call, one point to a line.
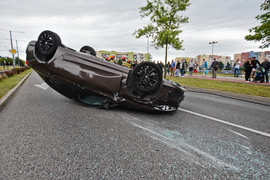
point(220, 65)
point(261, 32)
point(119, 62)
point(228, 67)
point(165, 23)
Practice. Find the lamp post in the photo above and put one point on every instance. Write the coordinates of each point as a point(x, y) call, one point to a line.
point(213, 43)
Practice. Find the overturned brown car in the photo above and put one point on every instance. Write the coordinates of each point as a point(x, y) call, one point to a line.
point(90, 80)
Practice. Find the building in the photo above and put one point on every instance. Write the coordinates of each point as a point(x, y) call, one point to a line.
point(245, 55)
point(185, 58)
point(209, 59)
point(139, 57)
point(237, 56)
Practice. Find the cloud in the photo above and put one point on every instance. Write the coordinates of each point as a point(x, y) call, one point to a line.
point(108, 25)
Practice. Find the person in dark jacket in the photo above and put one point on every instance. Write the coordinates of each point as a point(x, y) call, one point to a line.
point(177, 69)
point(254, 63)
point(248, 68)
point(266, 66)
point(168, 67)
point(183, 67)
point(214, 68)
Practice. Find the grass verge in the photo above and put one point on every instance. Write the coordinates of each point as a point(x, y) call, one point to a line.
point(250, 89)
point(7, 84)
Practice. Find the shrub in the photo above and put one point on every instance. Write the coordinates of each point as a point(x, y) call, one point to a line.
point(4, 75)
point(14, 71)
point(18, 70)
point(9, 73)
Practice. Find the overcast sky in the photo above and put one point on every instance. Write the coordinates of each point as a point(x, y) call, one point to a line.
point(108, 25)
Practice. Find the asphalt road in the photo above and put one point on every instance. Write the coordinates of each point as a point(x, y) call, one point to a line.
point(44, 135)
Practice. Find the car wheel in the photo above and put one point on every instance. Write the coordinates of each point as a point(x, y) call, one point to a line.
point(88, 50)
point(147, 77)
point(48, 42)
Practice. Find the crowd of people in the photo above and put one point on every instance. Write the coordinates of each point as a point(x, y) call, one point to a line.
point(179, 68)
point(124, 62)
point(256, 70)
point(253, 68)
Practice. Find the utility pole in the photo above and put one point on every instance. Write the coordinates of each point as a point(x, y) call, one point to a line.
point(213, 43)
point(14, 64)
point(19, 62)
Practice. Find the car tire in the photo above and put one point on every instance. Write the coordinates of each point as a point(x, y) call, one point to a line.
point(88, 50)
point(146, 77)
point(48, 43)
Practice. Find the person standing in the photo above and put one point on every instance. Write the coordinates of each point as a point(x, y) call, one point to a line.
point(133, 64)
point(254, 63)
point(183, 67)
point(172, 68)
point(204, 66)
point(266, 66)
point(195, 68)
point(191, 67)
point(248, 68)
point(236, 68)
point(168, 67)
point(161, 66)
point(214, 68)
point(177, 68)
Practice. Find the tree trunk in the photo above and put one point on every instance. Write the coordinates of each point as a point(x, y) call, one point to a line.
point(165, 69)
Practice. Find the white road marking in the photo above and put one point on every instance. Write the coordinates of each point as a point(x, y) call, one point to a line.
point(43, 86)
point(181, 146)
point(237, 133)
point(225, 122)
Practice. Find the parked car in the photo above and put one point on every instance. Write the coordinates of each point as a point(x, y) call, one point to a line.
point(81, 76)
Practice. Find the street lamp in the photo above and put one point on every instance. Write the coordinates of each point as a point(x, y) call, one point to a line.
point(213, 43)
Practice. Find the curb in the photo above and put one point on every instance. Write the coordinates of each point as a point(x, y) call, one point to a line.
point(10, 94)
point(237, 96)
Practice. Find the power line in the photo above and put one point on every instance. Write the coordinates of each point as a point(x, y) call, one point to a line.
point(12, 30)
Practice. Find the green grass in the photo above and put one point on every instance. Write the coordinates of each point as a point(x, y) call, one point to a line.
point(250, 89)
point(7, 84)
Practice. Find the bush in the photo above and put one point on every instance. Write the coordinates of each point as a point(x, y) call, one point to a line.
point(18, 70)
point(14, 71)
point(3, 76)
point(9, 73)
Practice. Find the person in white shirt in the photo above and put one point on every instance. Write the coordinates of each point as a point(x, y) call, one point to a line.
point(191, 67)
point(236, 68)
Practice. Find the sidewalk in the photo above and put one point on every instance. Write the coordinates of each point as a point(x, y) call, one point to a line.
point(226, 79)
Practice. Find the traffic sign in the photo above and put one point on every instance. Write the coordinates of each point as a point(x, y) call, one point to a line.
point(12, 51)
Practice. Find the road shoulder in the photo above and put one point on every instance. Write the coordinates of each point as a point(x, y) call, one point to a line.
point(4, 100)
